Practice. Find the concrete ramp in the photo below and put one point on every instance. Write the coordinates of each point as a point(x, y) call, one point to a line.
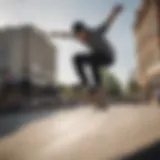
point(84, 134)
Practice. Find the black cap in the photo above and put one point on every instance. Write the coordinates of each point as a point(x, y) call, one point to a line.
point(78, 27)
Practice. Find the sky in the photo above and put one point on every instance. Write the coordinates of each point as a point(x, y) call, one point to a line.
point(59, 15)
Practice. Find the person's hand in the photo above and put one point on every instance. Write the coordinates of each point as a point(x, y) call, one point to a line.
point(118, 8)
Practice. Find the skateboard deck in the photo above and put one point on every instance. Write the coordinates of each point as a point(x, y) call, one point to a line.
point(98, 98)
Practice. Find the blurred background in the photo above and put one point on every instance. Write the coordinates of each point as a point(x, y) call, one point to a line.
point(36, 67)
point(36, 74)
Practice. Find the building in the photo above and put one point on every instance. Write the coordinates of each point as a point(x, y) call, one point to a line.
point(26, 52)
point(147, 34)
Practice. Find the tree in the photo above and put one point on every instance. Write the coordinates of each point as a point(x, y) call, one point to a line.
point(111, 83)
point(67, 91)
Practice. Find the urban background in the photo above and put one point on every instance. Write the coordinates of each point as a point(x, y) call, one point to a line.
point(29, 90)
point(28, 67)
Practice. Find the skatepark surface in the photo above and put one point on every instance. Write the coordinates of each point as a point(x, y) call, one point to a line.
point(84, 133)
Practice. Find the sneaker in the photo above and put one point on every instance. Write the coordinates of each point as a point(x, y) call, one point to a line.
point(98, 97)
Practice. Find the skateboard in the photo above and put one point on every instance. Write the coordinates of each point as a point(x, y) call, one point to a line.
point(98, 98)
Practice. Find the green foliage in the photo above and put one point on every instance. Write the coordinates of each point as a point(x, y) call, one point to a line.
point(111, 83)
point(67, 91)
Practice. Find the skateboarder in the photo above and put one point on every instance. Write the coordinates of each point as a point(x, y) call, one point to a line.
point(101, 52)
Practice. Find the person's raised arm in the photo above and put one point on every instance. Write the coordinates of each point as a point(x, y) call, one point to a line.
point(116, 10)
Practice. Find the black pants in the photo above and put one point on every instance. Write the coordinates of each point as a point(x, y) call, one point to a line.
point(95, 61)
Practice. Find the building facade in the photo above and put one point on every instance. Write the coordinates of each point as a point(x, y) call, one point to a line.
point(147, 34)
point(27, 52)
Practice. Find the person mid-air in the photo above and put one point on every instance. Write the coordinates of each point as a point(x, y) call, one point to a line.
point(101, 52)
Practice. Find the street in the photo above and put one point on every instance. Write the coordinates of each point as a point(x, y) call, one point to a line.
point(80, 133)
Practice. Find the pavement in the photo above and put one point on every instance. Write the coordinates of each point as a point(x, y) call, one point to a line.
point(83, 133)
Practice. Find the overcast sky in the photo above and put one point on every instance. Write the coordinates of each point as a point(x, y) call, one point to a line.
point(59, 15)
